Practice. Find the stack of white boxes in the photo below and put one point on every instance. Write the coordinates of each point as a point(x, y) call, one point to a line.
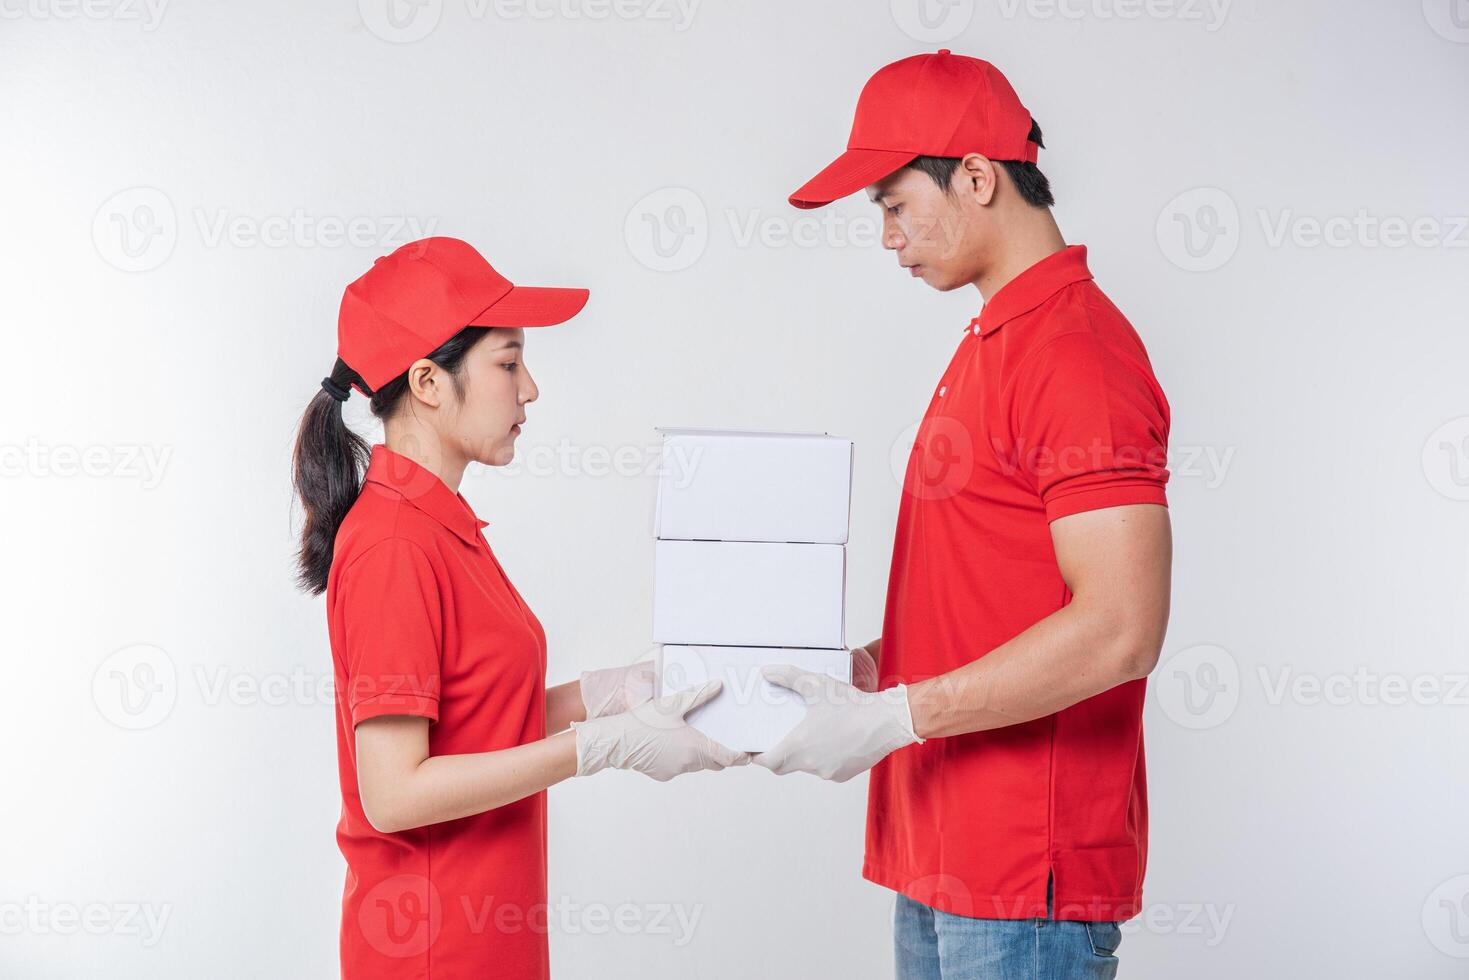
point(750, 569)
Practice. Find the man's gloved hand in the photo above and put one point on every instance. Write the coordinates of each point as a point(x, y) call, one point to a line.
point(613, 690)
point(845, 731)
point(653, 739)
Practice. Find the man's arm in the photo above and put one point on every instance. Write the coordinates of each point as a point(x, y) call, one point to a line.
point(1117, 562)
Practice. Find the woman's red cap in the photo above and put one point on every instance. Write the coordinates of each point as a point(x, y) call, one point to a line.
point(410, 302)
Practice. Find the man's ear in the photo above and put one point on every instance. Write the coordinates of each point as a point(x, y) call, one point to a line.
point(423, 382)
point(976, 177)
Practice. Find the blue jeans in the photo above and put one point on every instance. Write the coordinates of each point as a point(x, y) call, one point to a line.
point(934, 945)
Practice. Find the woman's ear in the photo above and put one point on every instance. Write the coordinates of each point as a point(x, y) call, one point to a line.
point(424, 382)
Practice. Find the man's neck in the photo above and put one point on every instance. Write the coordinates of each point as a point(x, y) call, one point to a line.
point(1026, 243)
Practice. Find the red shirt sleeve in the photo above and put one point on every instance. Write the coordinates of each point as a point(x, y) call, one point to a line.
point(393, 627)
point(1092, 426)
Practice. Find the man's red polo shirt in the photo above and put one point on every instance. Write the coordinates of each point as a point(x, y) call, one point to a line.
point(1049, 408)
point(424, 621)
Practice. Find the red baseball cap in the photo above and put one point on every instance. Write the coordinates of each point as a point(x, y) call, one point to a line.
point(941, 105)
point(413, 300)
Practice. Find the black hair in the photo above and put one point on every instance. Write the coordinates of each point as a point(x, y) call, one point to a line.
point(330, 459)
point(1033, 186)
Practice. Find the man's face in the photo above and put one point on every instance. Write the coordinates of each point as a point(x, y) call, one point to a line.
point(936, 235)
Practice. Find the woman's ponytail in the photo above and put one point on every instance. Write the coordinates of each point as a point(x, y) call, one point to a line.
point(328, 465)
point(331, 460)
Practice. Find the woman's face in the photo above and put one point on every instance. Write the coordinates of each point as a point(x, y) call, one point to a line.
point(494, 389)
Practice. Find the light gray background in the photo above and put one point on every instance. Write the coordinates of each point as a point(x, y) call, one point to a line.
point(167, 751)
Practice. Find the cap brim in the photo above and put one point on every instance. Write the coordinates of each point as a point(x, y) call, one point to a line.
point(848, 174)
point(532, 306)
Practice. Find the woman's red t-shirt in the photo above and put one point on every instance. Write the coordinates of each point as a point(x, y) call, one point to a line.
point(424, 621)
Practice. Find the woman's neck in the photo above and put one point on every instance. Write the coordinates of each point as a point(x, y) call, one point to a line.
point(422, 445)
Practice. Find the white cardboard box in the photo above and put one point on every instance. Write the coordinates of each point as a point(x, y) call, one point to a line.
point(732, 485)
point(741, 593)
point(749, 714)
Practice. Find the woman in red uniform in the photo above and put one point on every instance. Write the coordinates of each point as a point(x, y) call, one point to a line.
point(447, 735)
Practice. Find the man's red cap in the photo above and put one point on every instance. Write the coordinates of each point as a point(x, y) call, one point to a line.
point(410, 302)
point(938, 105)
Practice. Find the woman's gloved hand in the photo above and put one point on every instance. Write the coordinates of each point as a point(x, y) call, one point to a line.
point(613, 690)
point(653, 738)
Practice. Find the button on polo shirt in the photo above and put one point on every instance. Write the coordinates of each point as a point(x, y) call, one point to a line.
point(423, 621)
point(1048, 408)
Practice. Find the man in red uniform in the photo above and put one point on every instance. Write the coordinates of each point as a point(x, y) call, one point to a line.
point(1028, 595)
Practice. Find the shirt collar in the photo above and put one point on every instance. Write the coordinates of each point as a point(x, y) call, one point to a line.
point(425, 491)
point(1032, 288)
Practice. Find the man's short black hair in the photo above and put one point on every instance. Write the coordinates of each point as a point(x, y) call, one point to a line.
point(1033, 186)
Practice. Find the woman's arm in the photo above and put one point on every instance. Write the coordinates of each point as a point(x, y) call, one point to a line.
point(403, 787)
point(563, 706)
point(865, 661)
point(599, 692)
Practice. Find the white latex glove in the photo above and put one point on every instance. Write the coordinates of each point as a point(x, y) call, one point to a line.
point(864, 670)
point(613, 690)
point(845, 731)
point(653, 739)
